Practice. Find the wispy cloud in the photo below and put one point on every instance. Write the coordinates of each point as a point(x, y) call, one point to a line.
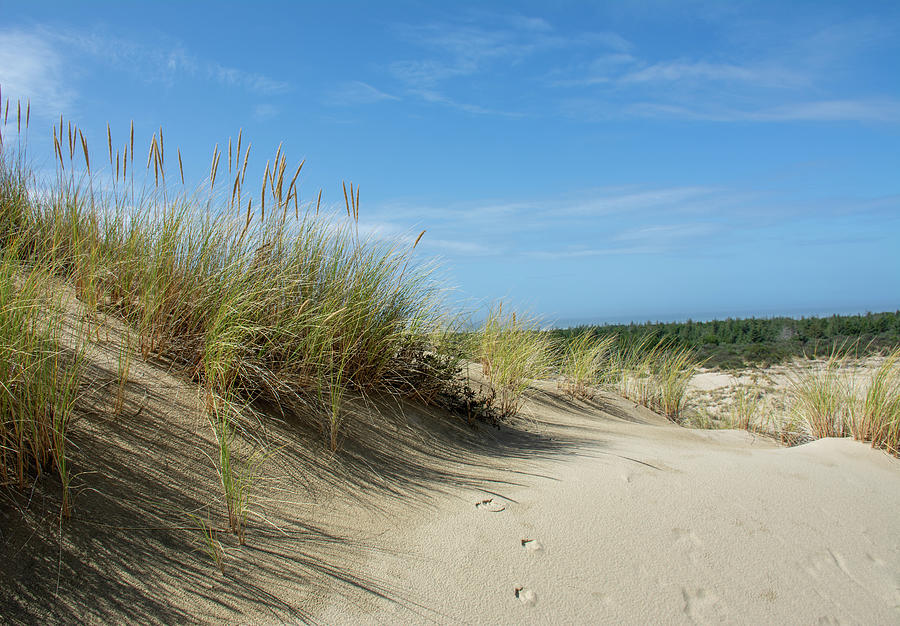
point(797, 78)
point(357, 92)
point(429, 95)
point(265, 111)
point(680, 221)
point(668, 232)
point(875, 110)
point(704, 71)
point(580, 253)
point(165, 62)
point(32, 69)
point(463, 247)
point(43, 64)
point(455, 50)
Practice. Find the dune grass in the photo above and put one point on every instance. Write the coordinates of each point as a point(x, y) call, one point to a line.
point(512, 352)
point(746, 406)
point(39, 376)
point(253, 296)
point(879, 416)
point(654, 374)
point(834, 400)
point(822, 398)
point(584, 362)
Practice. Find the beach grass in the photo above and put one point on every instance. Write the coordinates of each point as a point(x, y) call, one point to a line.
point(655, 374)
point(837, 400)
point(251, 296)
point(584, 364)
point(513, 352)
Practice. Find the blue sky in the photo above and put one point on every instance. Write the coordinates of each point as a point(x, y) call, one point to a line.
point(585, 161)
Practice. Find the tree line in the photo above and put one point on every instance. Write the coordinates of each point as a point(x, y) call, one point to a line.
point(733, 343)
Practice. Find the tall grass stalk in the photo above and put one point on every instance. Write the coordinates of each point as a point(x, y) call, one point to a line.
point(237, 476)
point(123, 370)
point(211, 544)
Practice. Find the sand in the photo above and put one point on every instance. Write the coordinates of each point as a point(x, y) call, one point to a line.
point(582, 512)
point(650, 523)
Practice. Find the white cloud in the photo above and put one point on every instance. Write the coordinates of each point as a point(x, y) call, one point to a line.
point(436, 97)
point(357, 92)
point(40, 63)
point(577, 253)
point(703, 71)
point(667, 233)
point(461, 50)
point(464, 247)
point(774, 72)
point(602, 202)
point(881, 110)
point(31, 68)
point(250, 81)
point(265, 111)
point(835, 110)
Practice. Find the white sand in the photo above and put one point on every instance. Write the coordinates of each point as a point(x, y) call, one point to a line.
point(647, 522)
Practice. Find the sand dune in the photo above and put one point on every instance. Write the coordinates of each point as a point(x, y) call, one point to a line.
point(649, 523)
point(596, 512)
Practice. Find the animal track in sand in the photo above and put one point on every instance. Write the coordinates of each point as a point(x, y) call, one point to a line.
point(822, 565)
point(490, 505)
point(526, 596)
point(532, 545)
point(688, 541)
point(702, 606)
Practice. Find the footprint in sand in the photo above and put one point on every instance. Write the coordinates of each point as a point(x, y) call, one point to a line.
point(526, 596)
point(490, 505)
point(688, 542)
point(703, 607)
point(532, 545)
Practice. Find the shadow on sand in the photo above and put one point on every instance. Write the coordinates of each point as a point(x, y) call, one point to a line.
point(133, 548)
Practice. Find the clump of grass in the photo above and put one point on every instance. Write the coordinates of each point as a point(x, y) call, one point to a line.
point(822, 398)
point(583, 364)
point(300, 307)
point(39, 376)
point(237, 476)
point(512, 352)
point(655, 375)
point(39, 379)
point(123, 370)
point(878, 417)
point(745, 405)
point(672, 370)
point(212, 547)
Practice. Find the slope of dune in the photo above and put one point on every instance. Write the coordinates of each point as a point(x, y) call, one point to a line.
point(645, 522)
point(579, 512)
